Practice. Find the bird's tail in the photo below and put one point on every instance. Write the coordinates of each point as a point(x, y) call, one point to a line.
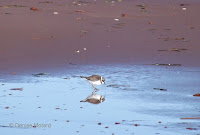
point(82, 77)
point(83, 101)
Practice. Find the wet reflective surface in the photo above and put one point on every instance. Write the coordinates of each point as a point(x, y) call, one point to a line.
point(131, 102)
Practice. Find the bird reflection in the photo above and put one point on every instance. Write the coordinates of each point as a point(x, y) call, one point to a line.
point(94, 99)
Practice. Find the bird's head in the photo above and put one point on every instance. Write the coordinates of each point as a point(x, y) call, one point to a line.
point(102, 99)
point(103, 80)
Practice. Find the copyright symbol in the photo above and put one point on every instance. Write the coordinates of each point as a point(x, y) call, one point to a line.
point(11, 125)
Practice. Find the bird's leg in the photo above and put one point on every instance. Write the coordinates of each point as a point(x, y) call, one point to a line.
point(93, 86)
point(93, 92)
point(95, 89)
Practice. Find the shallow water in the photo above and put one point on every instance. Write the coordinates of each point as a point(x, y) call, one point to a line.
point(130, 98)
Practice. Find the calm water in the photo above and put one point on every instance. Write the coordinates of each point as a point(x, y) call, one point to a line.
point(130, 99)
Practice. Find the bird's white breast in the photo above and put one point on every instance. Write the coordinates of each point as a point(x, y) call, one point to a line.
point(95, 96)
point(95, 83)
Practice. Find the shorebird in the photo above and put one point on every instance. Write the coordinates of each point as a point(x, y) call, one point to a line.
point(94, 99)
point(95, 80)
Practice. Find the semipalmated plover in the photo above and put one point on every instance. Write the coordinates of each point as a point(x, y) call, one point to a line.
point(95, 80)
point(94, 99)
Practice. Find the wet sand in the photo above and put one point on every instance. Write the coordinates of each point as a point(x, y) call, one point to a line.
point(41, 39)
point(124, 42)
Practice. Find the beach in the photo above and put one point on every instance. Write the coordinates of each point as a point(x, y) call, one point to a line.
point(147, 51)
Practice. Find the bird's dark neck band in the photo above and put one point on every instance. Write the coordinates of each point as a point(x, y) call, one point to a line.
point(101, 80)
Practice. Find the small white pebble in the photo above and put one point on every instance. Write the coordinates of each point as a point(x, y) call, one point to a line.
point(77, 51)
point(184, 8)
point(116, 19)
point(84, 49)
point(55, 13)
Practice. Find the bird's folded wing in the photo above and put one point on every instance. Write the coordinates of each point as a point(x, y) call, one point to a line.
point(94, 78)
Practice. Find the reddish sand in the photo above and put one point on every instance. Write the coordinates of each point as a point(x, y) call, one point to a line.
point(41, 39)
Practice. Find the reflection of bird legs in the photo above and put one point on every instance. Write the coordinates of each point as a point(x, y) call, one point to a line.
point(95, 89)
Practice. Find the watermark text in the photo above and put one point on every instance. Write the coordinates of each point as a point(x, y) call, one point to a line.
point(30, 125)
